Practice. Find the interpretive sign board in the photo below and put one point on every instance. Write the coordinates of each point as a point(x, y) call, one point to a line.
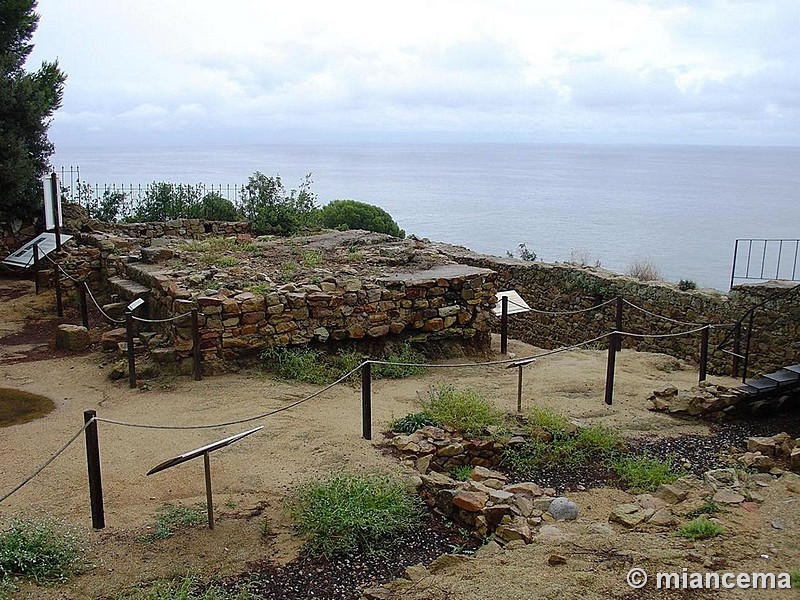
point(52, 202)
point(24, 256)
point(515, 303)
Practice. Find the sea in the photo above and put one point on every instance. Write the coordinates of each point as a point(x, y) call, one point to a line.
point(679, 207)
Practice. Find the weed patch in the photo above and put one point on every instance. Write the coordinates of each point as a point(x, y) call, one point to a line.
point(172, 517)
point(643, 473)
point(411, 422)
point(464, 410)
point(700, 529)
point(188, 588)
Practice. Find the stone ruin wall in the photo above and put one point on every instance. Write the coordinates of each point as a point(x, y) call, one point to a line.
point(563, 287)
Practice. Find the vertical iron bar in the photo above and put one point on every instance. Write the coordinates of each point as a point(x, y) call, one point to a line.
point(504, 326)
point(733, 268)
point(613, 342)
point(56, 208)
point(763, 258)
point(196, 354)
point(704, 353)
point(131, 356)
point(778, 267)
point(749, 253)
point(737, 342)
point(209, 499)
point(84, 306)
point(747, 345)
point(93, 464)
point(366, 399)
point(36, 267)
point(794, 265)
point(519, 390)
point(57, 283)
point(618, 321)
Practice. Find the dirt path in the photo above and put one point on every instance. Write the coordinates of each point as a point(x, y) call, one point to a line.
point(252, 479)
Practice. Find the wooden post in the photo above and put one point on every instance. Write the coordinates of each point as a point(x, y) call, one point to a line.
point(36, 267)
point(613, 343)
point(93, 463)
point(131, 355)
point(209, 499)
point(504, 326)
point(519, 390)
point(84, 305)
point(704, 352)
point(57, 282)
point(366, 399)
point(618, 321)
point(196, 354)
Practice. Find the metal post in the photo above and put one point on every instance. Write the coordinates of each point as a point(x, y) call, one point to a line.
point(36, 267)
point(704, 352)
point(57, 281)
point(504, 326)
point(209, 500)
point(733, 268)
point(196, 354)
point(93, 462)
point(612, 355)
point(56, 209)
point(131, 356)
point(84, 306)
point(519, 390)
point(737, 342)
point(618, 321)
point(747, 346)
point(366, 399)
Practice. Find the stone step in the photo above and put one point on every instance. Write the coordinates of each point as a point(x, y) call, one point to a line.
point(793, 369)
point(784, 377)
point(127, 289)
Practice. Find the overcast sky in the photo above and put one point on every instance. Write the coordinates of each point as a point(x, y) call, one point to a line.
point(250, 71)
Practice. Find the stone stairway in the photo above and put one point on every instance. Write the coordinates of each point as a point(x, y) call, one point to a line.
point(780, 382)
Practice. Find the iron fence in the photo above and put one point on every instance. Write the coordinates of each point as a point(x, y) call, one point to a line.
point(763, 259)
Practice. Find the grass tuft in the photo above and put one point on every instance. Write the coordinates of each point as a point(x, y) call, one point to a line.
point(464, 410)
point(700, 529)
point(172, 517)
point(410, 423)
point(347, 511)
point(644, 473)
point(188, 588)
point(409, 357)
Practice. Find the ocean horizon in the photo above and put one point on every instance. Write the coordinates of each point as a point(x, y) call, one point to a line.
point(680, 207)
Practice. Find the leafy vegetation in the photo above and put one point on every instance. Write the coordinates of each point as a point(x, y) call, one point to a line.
point(461, 472)
point(709, 508)
point(349, 511)
point(411, 422)
point(464, 410)
point(523, 253)
point(213, 207)
point(686, 285)
point(409, 360)
point(269, 209)
point(172, 517)
point(700, 529)
point(40, 549)
point(29, 100)
point(187, 588)
point(644, 270)
point(643, 473)
point(351, 214)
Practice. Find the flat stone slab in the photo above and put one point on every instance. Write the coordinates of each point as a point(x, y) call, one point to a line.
point(431, 275)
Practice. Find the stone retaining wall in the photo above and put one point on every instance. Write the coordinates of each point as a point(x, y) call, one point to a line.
point(563, 287)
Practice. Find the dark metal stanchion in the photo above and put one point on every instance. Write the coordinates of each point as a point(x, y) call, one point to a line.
point(196, 354)
point(131, 355)
point(747, 347)
point(737, 338)
point(366, 399)
point(519, 390)
point(36, 267)
point(504, 326)
point(57, 281)
point(93, 463)
point(613, 343)
point(209, 499)
point(84, 306)
point(618, 321)
point(56, 209)
point(704, 352)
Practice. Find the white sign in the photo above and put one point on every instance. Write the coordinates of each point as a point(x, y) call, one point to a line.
point(24, 256)
point(52, 210)
point(515, 303)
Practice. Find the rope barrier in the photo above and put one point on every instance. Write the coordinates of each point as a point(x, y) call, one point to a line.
point(238, 421)
point(652, 314)
point(659, 335)
point(170, 319)
point(102, 312)
point(47, 462)
point(561, 312)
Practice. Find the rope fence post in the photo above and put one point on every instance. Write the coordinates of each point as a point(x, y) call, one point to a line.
point(613, 343)
point(618, 321)
point(131, 355)
point(704, 353)
point(737, 342)
point(504, 326)
point(57, 282)
point(93, 464)
point(519, 390)
point(36, 267)
point(196, 354)
point(84, 305)
point(366, 399)
point(209, 498)
point(747, 347)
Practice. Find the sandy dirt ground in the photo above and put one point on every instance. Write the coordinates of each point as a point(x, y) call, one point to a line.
point(253, 478)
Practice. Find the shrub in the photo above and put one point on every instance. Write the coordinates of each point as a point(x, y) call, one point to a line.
point(700, 529)
point(464, 410)
point(213, 207)
point(269, 209)
point(643, 473)
point(411, 422)
point(644, 270)
point(523, 253)
point(111, 206)
point(301, 364)
point(347, 512)
point(542, 418)
point(461, 473)
point(164, 201)
point(351, 214)
point(41, 549)
point(409, 359)
point(686, 284)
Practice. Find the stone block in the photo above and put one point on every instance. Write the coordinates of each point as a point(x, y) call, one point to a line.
point(72, 337)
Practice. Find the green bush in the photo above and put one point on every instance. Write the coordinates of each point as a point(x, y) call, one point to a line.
point(270, 210)
point(213, 207)
point(40, 549)
point(351, 214)
point(700, 529)
point(409, 359)
point(643, 473)
point(163, 201)
point(348, 511)
point(547, 420)
point(111, 206)
point(686, 284)
point(411, 422)
point(464, 410)
point(461, 473)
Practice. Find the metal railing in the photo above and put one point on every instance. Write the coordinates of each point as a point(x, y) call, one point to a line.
point(762, 259)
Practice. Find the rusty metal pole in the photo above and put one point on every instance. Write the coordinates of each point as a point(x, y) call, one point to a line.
point(612, 355)
point(36, 267)
point(93, 463)
point(519, 390)
point(131, 355)
point(504, 326)
point(196, 354)
point(209, 499)
point(704, 352)
point(366, 399)
point(57, 282)
point(84, 306)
